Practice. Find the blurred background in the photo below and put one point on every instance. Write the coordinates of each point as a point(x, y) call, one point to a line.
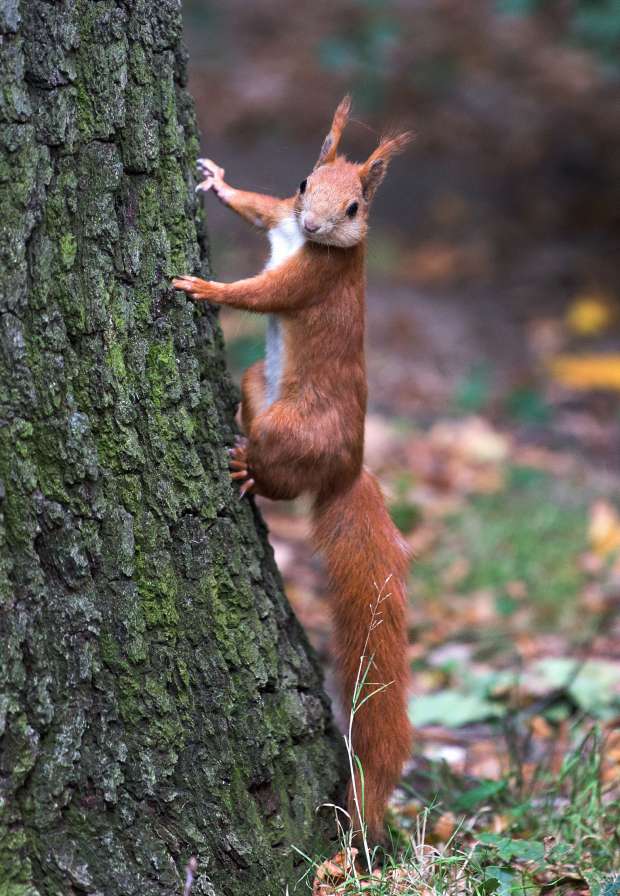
point(493, 327)
point(493, 257)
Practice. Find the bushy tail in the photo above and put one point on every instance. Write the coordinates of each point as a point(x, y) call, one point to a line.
point(367, 562)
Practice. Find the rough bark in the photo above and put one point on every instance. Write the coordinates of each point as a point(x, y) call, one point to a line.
point(157, 697)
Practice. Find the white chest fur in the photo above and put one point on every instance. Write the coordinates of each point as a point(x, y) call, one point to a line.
point(285, 238)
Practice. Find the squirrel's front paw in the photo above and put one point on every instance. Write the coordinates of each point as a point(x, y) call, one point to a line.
point(238, 465)
point(196, 287)
point(213, 177)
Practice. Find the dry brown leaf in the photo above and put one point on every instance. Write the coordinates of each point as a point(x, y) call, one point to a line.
point(456, 572)
point(592, 564)
point(444, 826)
point(333, 871)
point(604, 528)
point(423, 538)
point(594, 598)
point(499, 823)
point(483, 760)
point(481, 608)
point(516, 589)
point(381, 440)
point(472, 438)
point(541, 727)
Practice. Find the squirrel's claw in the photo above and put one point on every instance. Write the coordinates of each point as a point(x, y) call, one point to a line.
point(209, 167)
point(186, 283)
point(247, 488)
point(196, 287)
point(238, 466)
point(213, 176)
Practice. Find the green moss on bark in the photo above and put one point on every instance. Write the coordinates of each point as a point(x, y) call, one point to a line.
point(157, 698)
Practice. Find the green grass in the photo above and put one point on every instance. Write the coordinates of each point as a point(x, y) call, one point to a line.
point(559, 830)
point(474, 391)
point(557, 824)
point(532, 533)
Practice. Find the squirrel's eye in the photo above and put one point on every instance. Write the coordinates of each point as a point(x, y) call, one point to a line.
point(302, 186)
point(352, 209)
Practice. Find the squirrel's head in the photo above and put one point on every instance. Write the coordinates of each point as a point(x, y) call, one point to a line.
point(333, 201)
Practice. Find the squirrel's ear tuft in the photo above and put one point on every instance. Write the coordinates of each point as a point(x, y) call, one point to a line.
point(373, 170)
point(330, 144)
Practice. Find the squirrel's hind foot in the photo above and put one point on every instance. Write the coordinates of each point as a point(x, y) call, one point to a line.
point(238, 467)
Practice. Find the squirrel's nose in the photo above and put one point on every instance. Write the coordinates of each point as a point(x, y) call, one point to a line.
point(310, 223)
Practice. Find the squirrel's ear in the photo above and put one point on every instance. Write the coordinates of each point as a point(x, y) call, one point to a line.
point(373, 170)
point(330, 144)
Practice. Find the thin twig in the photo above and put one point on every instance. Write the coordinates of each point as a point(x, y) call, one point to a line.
point(362, 674)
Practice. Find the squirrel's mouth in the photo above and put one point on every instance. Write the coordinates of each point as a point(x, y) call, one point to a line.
point(323, 237)
point(312, 226)
point(316, 233)
point(330, 237)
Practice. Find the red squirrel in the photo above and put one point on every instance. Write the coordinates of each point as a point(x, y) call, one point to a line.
point(303, 411)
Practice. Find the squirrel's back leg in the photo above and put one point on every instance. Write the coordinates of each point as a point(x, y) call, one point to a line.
point(258, 459)
point(292, 449)
point(253, 401)
point(276, 451)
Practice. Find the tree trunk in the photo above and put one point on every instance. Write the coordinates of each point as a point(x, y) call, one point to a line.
point(157, 697)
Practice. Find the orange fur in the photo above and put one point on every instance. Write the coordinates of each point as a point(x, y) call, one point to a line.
point(310, 438)
point(330, 144)
point(367, 563)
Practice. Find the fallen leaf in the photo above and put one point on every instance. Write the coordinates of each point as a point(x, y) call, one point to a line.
point(587, 371)
point(473, 438)
point(604, 528)
point(452, 708)
point(541, 727)
point(483, 760)
point(516, 589)
point(590, 314)
point(444, 826)
point(456, 572)
point(381, 440)
point(594, 685)
point(333, 871)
